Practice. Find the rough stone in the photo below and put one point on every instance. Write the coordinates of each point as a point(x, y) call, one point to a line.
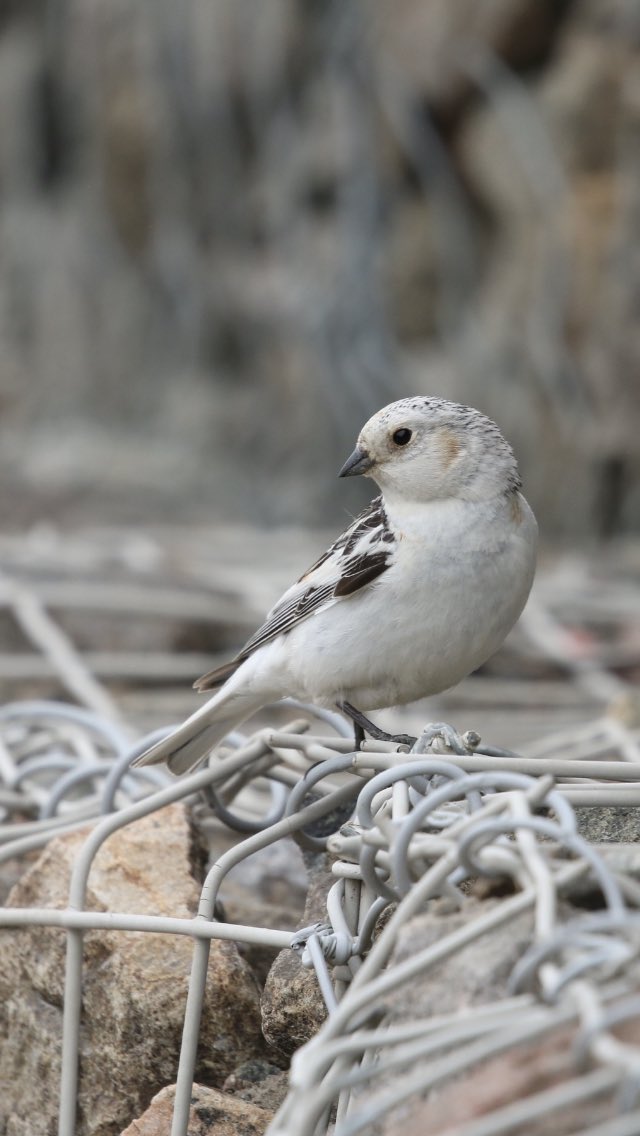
point(476, 974)
point(292, 1006)
point(212, 1113)
point(523, 1071)
point(605, 825)
point(266, 890)
point(134, 988)
point(260, 1083)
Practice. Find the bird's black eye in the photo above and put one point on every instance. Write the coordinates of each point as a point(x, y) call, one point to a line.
point(402, 436)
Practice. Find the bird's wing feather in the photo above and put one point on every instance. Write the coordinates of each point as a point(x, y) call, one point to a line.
point(356, 559)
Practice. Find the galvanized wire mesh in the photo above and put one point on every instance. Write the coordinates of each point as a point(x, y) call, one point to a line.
point(424, 823)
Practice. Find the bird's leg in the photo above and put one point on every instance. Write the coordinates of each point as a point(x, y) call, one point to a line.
point(363, 725)
point(359, 735)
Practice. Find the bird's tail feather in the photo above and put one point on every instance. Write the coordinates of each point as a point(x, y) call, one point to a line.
point(194, 740)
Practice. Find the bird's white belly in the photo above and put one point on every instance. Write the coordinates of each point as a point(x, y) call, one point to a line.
point(431, 619)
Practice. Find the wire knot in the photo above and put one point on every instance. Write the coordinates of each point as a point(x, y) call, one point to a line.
point(337, 947)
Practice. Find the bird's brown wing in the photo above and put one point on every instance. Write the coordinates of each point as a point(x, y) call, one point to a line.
point(357, 558)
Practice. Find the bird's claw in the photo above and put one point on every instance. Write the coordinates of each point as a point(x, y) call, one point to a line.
point(403, 739)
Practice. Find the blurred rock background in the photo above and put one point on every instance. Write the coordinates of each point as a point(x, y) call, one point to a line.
point(231, 229)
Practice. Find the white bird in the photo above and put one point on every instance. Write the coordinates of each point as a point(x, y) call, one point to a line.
point(418, 592)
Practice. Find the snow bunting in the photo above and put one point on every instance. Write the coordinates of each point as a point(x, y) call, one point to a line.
point(419, 591)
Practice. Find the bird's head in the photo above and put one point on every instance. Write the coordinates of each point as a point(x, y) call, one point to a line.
point(424, 449)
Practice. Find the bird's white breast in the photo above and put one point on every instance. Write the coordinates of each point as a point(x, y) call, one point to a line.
point(459, 578)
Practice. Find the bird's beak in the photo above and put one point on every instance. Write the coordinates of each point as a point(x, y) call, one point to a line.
point(359, 462)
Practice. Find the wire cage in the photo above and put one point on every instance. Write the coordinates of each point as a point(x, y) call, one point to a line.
point(405, 829)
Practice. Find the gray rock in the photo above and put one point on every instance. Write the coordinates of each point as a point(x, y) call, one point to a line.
point(134, 985)
point(212, 1113)
point(507, 1079)
point(259, 1082)
point(474, 975)
point(266, 890)
point(604, 825)
point(292, 1005)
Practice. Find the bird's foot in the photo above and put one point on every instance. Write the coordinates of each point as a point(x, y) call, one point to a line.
point(363, 726)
